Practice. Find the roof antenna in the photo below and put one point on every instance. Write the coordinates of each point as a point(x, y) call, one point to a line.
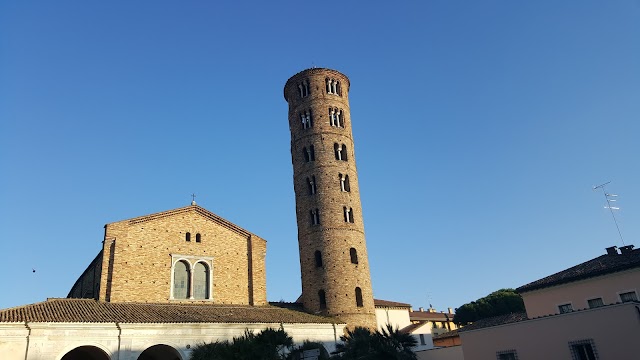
point(193, 199)
point(610, 199)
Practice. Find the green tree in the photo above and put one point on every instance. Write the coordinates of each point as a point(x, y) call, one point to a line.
point(388, 344)
point(269, 344)
point(501, 302)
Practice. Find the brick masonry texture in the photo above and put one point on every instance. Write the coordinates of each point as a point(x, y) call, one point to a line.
point(137, 262)
point(333, 237)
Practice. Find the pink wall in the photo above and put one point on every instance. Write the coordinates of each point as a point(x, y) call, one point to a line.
point(614, 330)
point(545, 301)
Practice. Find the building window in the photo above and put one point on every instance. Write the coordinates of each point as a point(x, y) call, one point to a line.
point(187, 236)
point(198, 237)
point(359, 297)
point(333, 86)
point(315, 217)
point(583, 350)
point(344, 183)
point(318, 256)
point(628, 296)
point(309, 153)
point(507, 355)
point(348, 214)
point(191, 277)
point(323, 299)
point(304, 89)
point(336, 117)
point(307, 120)
point(565, 308)
point(340, 151)
point(594, 303)
point(200, 281)
point(354, 255)
point(311, 185)
point(181, 281)
point(422, 342)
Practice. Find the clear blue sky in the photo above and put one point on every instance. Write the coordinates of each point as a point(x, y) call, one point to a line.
point(480, 129)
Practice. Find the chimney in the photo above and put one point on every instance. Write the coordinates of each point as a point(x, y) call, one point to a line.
point(432, 310)
point(450, 311)
point(626, 249)
point(612, 250)
point(421, 309)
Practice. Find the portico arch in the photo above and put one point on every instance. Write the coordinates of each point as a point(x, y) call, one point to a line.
point(160, 352)
point(86, 352)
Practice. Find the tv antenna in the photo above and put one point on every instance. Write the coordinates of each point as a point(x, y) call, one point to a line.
point(610, 198)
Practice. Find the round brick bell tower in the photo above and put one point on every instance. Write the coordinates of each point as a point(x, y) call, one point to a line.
point(333, 252)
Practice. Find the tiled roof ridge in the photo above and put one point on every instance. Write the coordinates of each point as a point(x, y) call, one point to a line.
point(601, 265)
point(388, 303)
point(95, 311)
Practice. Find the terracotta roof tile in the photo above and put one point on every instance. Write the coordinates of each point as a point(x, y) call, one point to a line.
point(89, 310)
point(495, 321)
point(601, 265)
point(425, 315)
point(386, 303)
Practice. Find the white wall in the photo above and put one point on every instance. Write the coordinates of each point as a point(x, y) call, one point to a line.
point(397, 317)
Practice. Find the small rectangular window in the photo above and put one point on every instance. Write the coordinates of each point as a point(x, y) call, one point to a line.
point(507, 355)
point(565, 308)
point(594, 303)
point(628, 296)
point(583, 350)
point(422, 342)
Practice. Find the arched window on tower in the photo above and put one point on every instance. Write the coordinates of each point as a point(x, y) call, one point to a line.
point(335, 117)
point(307, 120)
point(340, 151)
point(181, 281)
point(344, 183)
point(318, 256)
point(322, 298)
point(200, 281)
point(354, 255)
point(187, 236)
point(198, 237)
point(311, 185)
point(339, 118)
point(309, 153)
point(359, 302)
point(315, 217)
point(348, 214)
point(304, 89)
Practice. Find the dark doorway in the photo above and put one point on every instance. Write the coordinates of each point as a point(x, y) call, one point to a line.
point(86, 353)
point(160, 352)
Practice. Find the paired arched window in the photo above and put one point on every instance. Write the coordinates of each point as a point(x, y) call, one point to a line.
point(309, 153)
point(187, 237)
point(333, 86)
point(359, 302)
point(304, 89)
point(336, 118)
point(344, 183)
point(322, 298)
point(348, 214)
point(318, 256)
point(191, 278)
point(311, 185)
point(340, 151)
point(307, 119)
point(315, 217)
point(354, 255)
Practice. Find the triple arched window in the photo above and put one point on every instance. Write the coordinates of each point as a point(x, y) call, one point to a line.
point(340, 151)
point(336, 117)
point(333, 86)
point(191, 278)
point(307, 119)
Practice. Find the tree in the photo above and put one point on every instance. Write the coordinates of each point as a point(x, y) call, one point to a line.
point(501, 302)
point(269, 344)
point(388, 344)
